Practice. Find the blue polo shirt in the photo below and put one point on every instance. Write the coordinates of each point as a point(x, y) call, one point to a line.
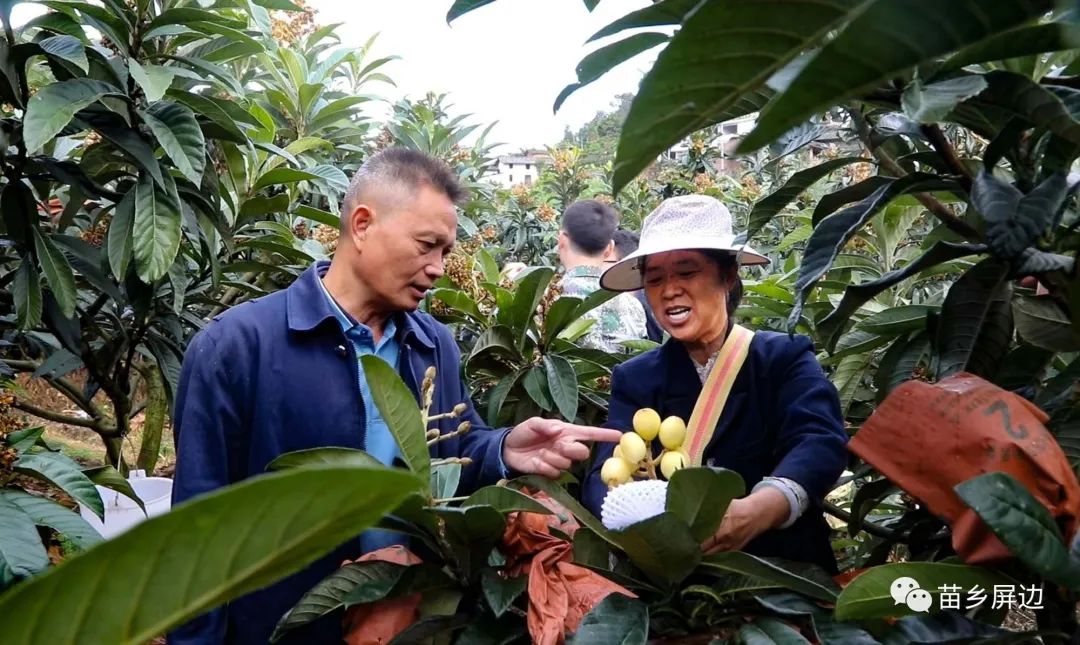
point(378, 441)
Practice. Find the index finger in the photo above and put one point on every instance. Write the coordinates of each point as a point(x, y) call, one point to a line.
point(591, 433)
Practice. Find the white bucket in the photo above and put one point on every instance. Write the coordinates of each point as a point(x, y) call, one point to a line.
point(121, 512)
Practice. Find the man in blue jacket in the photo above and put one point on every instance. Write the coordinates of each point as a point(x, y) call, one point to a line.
point(282, 373)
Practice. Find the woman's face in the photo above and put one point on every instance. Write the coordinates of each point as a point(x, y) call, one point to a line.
point(688, 295)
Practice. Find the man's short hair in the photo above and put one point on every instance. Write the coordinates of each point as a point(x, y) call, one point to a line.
point(590, 224)
point(626, 242)
point(403, 169)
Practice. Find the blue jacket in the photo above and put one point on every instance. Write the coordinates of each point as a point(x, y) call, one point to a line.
point(272, 376)
point(782, 418)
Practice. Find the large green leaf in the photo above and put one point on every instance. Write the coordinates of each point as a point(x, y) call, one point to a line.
point(283, 176)
point(1041, 322)
point(615, 620)
point(715, 69)
point(601, 61)
point(21, 550)
point(176, 129)
point(770, 631)
point(772, 204)
point(57, 272)
point(859, 294)
point(1023, 524)
point(1022, 97)
point(462, 7)
point(660, 12)
point(156, 229)
point(848, 377)
point(220, 126)
point(65, 474)
point(829, 204)
point(153, 79)
point(563, 385)
point(327, 456)
point(834, 231)
point(976, 321)
point(530, 292)
point(501, 592)
point(109, 477)
point(26, 290)
point(896, 320)
point(882, 40)
point(870, 594)
point(505, 500)
point(472, 533)
point(700, 497)
point(662, 547)
point(934, 102)
point(283, 521)
point(45, 512)
point(750, 565)
point(444, 480)
point(899, 363)
point(1014, 220)
point(53, 107)
point(398, 407)
point(1023, 41)
point(66, 48)
point(368, 581)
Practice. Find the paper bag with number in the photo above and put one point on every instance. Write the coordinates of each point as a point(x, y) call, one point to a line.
point(927, 438)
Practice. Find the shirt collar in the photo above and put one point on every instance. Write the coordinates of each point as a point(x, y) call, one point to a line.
point(347, 322)
point(584, 271)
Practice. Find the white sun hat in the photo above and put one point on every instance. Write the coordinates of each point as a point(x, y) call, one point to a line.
point(688, 222)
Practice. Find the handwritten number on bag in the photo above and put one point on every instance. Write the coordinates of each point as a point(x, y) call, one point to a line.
point(1019, 432)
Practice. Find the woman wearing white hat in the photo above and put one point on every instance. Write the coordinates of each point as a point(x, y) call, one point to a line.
point(757, 403)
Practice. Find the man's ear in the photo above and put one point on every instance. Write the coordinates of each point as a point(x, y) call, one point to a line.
point(609, 252)
point(562, 241)
point(360, 220)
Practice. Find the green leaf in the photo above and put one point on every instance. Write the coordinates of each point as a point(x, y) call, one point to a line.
point(1022, 97)
point(662, 547)
point(21, 550)
point(153, 79)
point(460, 302)
point(225, 126)
point(45, 512)
point(1041, 322)
point(121, 236)
point(472, 533)
point(109, 477)
point(616, 620)
point(400, 411)
point(1023, 41)
point(536, 386)
point(498, 396)
point(156, 229)
point(53, 107)
point(848, 377)
point(328, 456)
point(715, 69)
point(157, 408)
point(282, 176)
point(563, 385)
point(530, 292)
point(278, 5)
point(22, 440)
point(834, 231)
point(462, 7)
point(444, 480)
point(283, 521)
point(320, 216)
point(853, 193)
point(749, 565)
point(767, 208)
point(27, 293)
point(128, 140)
point(559, 494)
point(176, 129)
point(663, 12)
point(857, 295)
point(934, 102)
point(497, 339)
point(501, 592)
point(367, 581)
point(559, 315)
point(58, 273)
point(886, 38)
point(899, 363)
point(976, 321)
point(770, 631)
point(1023, 524)
point(505, 500)
point(1014, 220)
point(66, 48)
point(700, 497)
point(869, 595)
point(896, 320)
point(603, 60)
point(65, 474)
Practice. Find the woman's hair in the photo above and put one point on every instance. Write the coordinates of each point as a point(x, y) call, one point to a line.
point(728, 265)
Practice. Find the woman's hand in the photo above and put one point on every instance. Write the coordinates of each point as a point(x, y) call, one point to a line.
point(747, 518)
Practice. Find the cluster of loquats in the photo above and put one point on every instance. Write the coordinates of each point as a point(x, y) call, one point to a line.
point(633, 456)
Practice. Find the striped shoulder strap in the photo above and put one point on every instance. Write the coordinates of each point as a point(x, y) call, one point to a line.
point(715, 392)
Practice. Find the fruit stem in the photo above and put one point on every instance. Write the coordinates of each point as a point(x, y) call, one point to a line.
point(650, 465)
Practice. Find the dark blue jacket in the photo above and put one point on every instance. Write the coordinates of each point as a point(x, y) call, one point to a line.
point(782, 418)
point(275, 375)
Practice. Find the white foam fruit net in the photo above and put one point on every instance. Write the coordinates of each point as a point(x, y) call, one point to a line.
point(633, 502)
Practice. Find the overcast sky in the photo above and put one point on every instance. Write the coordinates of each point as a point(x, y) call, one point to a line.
point(504, 62)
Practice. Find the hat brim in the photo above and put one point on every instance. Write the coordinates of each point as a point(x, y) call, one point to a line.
point(625, 275)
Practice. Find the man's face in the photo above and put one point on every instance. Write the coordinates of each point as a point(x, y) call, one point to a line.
point(402, 252)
